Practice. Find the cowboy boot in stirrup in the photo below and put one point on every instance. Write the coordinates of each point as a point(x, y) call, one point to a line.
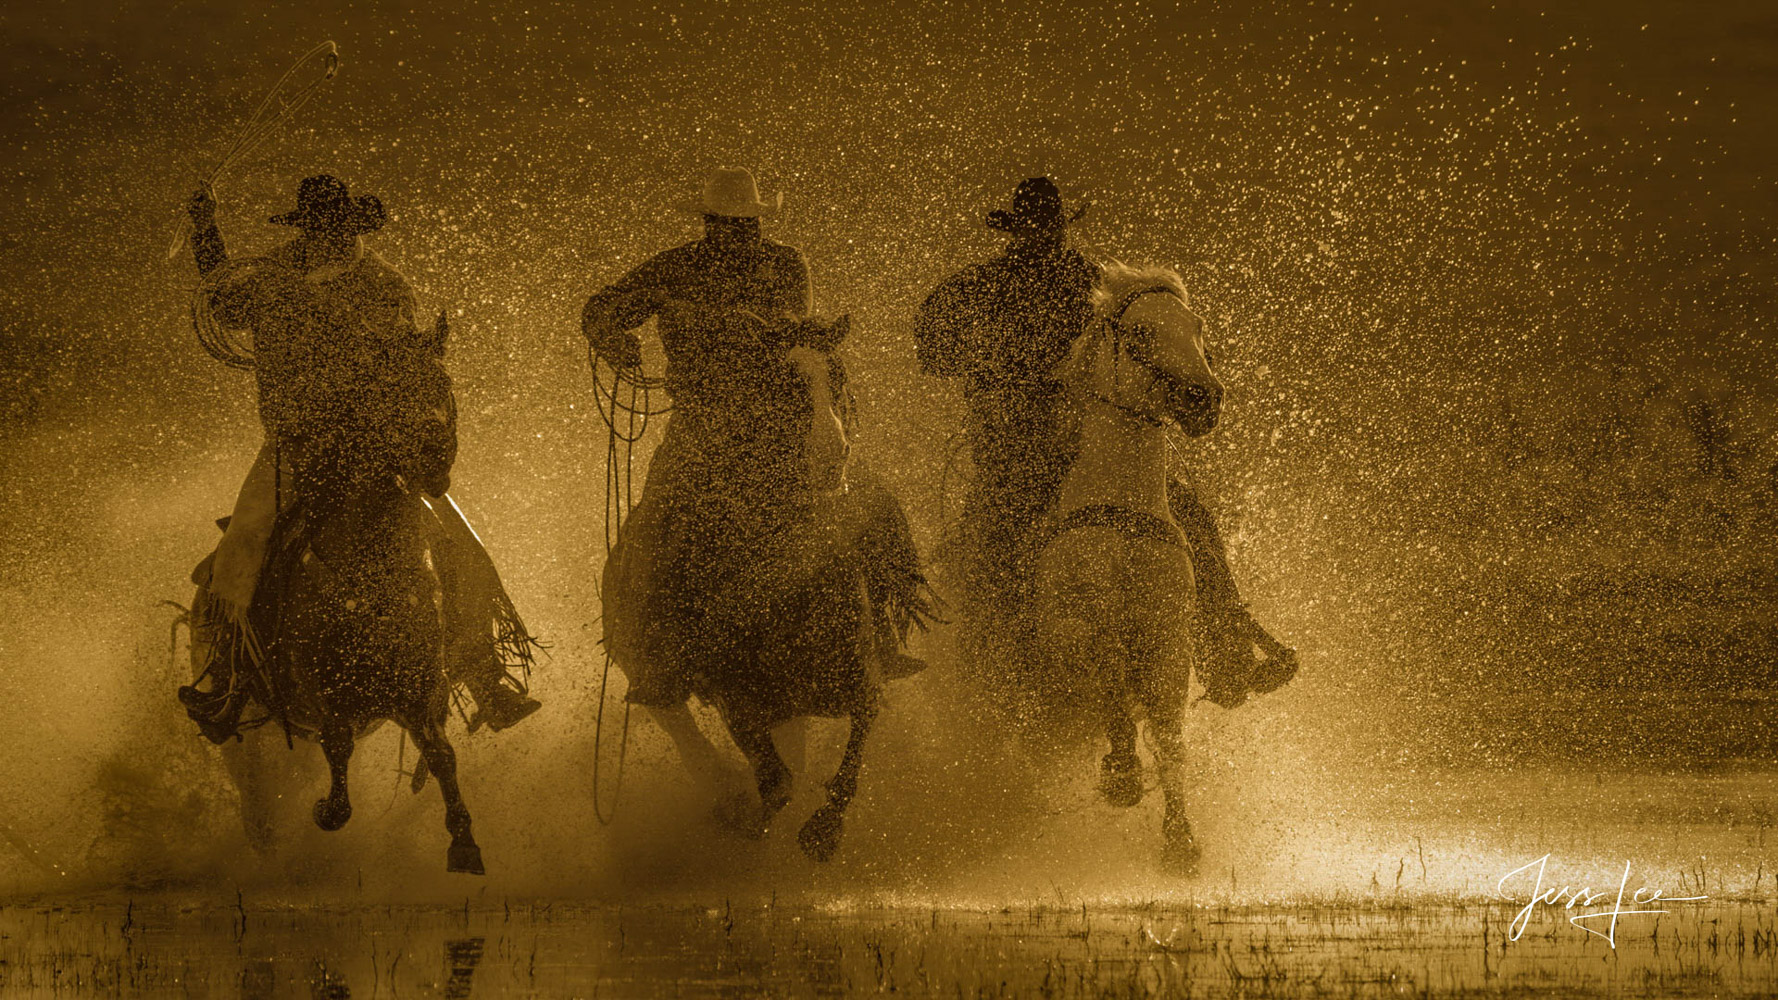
point(1280, 664)
point(218, 715)
point(498, 706)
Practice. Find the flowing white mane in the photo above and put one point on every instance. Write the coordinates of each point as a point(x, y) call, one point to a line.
point(1118, 279)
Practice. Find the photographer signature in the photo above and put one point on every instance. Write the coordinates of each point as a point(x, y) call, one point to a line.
point(1604, 907)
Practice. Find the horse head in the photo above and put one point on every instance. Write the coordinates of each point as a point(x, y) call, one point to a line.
point(1146, 355)
point(798, 395)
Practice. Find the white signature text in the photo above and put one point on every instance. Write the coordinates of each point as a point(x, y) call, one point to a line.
point(1596, 908)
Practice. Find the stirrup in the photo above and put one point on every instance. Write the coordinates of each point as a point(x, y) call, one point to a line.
point(218, 716)
point(502, 709)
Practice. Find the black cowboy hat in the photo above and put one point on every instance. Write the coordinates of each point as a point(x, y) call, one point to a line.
point(1036, 208)
point(322, 203)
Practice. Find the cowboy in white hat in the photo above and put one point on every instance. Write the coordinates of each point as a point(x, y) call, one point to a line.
point(689, 288)
point(733, 266)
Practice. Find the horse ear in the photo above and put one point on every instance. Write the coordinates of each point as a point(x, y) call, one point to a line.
point(842, 326)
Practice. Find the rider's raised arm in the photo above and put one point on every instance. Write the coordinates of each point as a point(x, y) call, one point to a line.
point(232, 303)
point(206, 240)
point(941, 329)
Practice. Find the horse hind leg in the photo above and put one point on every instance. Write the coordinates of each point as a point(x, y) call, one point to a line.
point(820, 835)
point(1120, 770)
point(1166, 738)
point(267, 777)
point(721, 781)
point(464, 855)
point(332, 812)
point(1101, 662)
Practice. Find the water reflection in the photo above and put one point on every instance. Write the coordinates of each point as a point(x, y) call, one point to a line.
point(462, 957)
point(1375, 947)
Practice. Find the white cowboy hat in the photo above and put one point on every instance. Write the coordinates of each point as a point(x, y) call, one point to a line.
point(732, 191)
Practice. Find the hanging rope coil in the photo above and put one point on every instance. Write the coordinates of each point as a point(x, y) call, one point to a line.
point(627, 403)
point(276, 108)
point(233, 348)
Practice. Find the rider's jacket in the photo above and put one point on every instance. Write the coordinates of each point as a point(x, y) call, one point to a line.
point(1002, 326)
point(730, 268)
point(340, 360)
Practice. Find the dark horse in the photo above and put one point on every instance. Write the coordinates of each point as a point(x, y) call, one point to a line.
point(349, 617)
point(783, 579)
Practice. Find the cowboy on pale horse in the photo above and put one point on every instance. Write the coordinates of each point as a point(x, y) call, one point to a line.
point(1001, 327)
point(1116, 599)
point(716, 300)
point(342, 371)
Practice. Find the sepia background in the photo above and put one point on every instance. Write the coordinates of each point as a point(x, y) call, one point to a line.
point(1490, 284)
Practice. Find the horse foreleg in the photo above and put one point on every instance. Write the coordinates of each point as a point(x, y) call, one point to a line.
point(820, 835)
point(702, 760)
point(769, 772)
point(332, 812)
point(464, 855)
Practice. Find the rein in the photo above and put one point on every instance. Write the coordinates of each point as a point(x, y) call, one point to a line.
point(1114, 323)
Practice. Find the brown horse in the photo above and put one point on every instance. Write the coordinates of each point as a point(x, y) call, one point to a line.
point(347, 633)
point(781, 579)
point(1115, 595)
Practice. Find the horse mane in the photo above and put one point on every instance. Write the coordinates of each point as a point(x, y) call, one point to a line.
point(1117, 280)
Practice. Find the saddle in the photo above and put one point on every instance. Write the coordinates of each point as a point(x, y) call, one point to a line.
point(488, 649)
point(230, 644)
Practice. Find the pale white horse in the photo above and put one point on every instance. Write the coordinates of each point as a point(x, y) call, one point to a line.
point(1115, 595)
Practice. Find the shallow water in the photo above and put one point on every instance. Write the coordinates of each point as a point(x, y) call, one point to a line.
point(526, 950)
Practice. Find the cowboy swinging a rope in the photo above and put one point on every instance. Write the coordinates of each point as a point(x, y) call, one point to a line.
point(348, 384)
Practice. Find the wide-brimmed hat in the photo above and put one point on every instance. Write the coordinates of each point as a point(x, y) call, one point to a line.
point(732, 191)
point(1036, 208)
point(322, 203)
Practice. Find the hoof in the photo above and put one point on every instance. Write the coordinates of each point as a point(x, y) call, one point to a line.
point(1180, 852)
point(464, 858)
point(774, 795)
point(820, 836)
point(331, 815)
point(1120, 779)
point(739, 814)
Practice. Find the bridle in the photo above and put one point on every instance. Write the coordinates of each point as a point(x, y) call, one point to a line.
point(845, 403)
point(1114, 323)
